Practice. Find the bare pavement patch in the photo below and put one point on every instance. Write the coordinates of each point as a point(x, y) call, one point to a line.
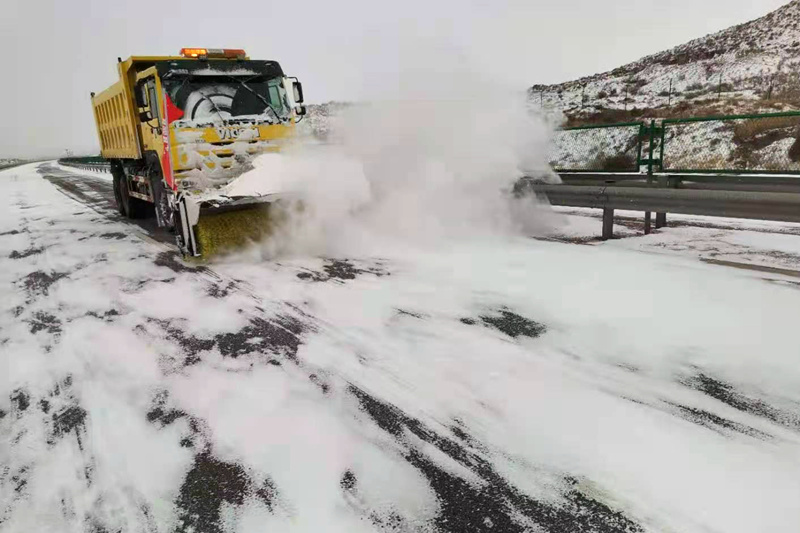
point(484, 387)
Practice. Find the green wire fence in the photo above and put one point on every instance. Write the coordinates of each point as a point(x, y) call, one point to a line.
point(726, 144)
point(605, 148)
point(738, 144)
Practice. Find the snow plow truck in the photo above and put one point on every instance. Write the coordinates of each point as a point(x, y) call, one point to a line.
point(178, 130)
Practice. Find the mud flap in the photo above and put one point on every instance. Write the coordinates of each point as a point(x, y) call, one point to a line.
point(161, 200)
point(188, 215)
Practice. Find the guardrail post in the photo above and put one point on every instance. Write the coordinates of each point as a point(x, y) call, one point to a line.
point(657, 133)
point(608, 223)
point(648, 214)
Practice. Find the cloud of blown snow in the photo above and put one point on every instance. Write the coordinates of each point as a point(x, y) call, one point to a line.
point(433, 161)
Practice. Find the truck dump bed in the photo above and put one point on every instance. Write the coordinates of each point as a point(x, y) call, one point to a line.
point(115, 117)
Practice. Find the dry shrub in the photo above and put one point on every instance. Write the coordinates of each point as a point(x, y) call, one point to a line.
point(715, 162)
point(617, 163)
point(604, 116)
point(794, 151)
point(775, 166)
point(749, 129)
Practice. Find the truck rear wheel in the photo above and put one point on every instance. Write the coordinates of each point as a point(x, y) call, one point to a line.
point(118, 176)
point(127, 205)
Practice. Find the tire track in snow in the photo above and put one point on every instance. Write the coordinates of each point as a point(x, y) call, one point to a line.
point(98, 194)
point(65, 415)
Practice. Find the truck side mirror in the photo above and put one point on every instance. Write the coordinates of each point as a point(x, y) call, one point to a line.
point(300, 110)
point(145, 116)
point(139, 97)
point(298, 91)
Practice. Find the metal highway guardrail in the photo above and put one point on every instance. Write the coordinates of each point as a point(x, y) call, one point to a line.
point(781, 206)
point(95, 164)
point(763, 197)
point(12, 165)
point(753, 182)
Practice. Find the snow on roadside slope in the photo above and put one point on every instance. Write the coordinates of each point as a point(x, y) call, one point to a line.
point(771, 250)
point(490, 385)
point(749, 243)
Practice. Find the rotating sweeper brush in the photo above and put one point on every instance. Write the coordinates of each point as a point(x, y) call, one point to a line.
point(211, 228)
point(180, 131)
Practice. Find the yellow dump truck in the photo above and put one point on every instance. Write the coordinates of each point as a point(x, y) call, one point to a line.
point(178, 129)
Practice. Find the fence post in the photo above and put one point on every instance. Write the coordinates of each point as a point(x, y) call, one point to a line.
point(661, 218)
point(639, 147)
point(642, 132)
point(608, 223)
point(647, 214)
point(669, 100)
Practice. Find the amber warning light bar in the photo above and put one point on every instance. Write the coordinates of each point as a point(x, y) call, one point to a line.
point(229, 53)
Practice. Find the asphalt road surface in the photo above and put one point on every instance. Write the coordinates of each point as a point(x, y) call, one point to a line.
point(446, 390)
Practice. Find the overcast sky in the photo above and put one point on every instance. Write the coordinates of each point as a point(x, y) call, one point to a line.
point(56, 52)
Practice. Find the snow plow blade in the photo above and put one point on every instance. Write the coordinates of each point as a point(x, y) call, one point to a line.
point(215, 228)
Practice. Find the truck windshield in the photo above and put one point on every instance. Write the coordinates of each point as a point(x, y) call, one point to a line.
point(225, 97)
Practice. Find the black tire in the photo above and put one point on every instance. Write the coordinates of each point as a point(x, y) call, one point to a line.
point(118, 176)
point(126, 205)
point(137, 208)
point(165, 215)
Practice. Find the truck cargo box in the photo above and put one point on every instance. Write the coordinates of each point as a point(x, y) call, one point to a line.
point(116, 121)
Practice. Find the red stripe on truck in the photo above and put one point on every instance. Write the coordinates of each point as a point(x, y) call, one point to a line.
point(166, 165)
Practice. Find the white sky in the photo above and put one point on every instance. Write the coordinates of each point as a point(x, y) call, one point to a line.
point(56, 52)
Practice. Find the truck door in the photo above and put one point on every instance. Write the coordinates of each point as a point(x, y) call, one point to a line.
point(149, 115)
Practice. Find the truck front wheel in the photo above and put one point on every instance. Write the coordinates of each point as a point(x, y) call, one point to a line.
point(165, 215)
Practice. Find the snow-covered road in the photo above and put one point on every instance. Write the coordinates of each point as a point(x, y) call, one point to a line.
point(491, 385)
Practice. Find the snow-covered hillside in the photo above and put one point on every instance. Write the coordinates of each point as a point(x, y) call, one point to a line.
point(756, 65)
point(749, 68)
point(319, 120)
